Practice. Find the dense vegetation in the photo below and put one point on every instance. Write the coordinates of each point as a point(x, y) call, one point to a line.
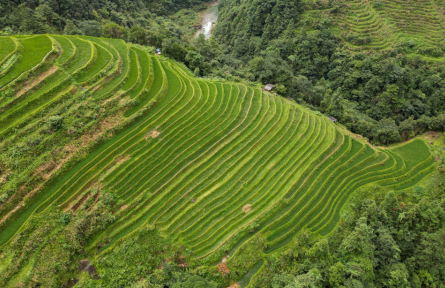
point(106, 138)
point(165, 19)
point(119, 168)
point(385, 95)
point(389, 90)
point(387, 240)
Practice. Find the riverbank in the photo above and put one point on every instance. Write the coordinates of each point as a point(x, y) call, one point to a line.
point(209, 18)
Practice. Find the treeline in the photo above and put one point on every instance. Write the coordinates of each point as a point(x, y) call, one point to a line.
point(390, 241)
point(90, 17)
point(386, 97)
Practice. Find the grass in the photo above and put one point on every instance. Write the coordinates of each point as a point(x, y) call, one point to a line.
point(67, 47)
point(413, 152)
point(145, 71)
point(7, 46)
point(103, 58)
point(134, 71)
point(34, 50)
point(84, 48)
point(114, 83)
point(208, 163)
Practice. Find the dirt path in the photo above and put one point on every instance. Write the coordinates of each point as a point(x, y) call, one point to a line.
point(36, 80)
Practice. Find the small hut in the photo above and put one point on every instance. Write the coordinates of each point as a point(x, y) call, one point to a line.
point(269, 87)
point(334, 120)
point(158, 51)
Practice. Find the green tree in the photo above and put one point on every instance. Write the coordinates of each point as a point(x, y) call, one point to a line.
point(30, 24)
point(335, 107)
point(194, 60)
point(90, 28)
point(336, 275)
point(195, 281)
point(394, 276)
point(357, 249)
point(71, 28)
point(113, 30)
point(387, 132)
point(387, 250)
point(312, 279)
point(46, 15)
point(138, 35)
point(406, 128)
point(172, 48)
point(55, 122)
point(430, 255)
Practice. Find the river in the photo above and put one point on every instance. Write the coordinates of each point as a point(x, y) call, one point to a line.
point(208, 21)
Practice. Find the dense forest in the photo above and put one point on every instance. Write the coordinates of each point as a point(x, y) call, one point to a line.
point(92, 17)
point(387, 97)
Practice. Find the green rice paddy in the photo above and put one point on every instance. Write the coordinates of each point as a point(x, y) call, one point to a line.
point(34, 50)
point(380, 25)
point(209, 163)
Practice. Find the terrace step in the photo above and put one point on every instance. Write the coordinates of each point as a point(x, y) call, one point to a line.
point(206, 162)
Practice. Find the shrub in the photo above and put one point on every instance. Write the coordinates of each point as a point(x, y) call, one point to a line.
point(113, 30)
point(378, 4)
point(66, 218)
point(71, 28)
point(55, 122)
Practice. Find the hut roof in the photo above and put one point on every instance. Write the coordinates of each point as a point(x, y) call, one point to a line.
point(269, 87)
point(332, 119)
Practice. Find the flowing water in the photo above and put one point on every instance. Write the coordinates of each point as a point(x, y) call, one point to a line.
point(208, 21)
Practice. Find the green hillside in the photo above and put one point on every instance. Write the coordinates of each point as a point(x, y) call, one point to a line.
point(220, 167)
point(378, 25)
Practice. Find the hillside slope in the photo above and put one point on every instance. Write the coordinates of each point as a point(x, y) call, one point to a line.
point(414, 27)
point(380, 25)
point(216, 165)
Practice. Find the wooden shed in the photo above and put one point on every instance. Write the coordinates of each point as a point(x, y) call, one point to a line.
point(269, 87)
point(333, 119)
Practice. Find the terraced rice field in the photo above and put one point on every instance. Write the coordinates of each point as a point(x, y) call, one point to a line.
point(378, 25)
point(209, 163)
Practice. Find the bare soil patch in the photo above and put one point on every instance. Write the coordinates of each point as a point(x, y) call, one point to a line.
point(122, 159)
point(83, 264)
point(123, 207)
point(96, 199)
point(110, 122)
point(431, 136)
point(29, 85)
point(15, 198)
point(4, 176)
point(234, 286)
point(82, 198)
point(61, 156)
point(46, 169)
point(223, 268)
point(79, 202)
point(92, 271)
point(153, 134)
point(247, 208)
